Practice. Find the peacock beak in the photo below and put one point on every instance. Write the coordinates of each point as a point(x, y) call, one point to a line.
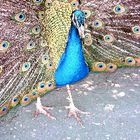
point(81, 30)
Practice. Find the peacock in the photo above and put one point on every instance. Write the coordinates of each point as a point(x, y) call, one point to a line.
point(49, 44)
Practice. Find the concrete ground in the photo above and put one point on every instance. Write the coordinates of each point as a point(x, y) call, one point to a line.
point(112, 98)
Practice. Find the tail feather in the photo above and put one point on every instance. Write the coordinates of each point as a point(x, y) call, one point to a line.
point(22, 51)
point(115, 30)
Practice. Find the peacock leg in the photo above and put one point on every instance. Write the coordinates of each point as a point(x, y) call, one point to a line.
point(40, 109)
point(73, 111)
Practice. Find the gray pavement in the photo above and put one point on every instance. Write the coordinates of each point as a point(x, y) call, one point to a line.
point(112, 98)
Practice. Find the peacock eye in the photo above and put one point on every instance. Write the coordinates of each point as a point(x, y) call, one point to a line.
point(111, 67)
point(108, 38)
point(15, 99)
point(130, 61)
point(87, 13)
point(45, 59)
point(30, 45)
point(34, 93)
point(43, 43)
point(99, 66)
point(119, 9)
point(41, 14)
point(4, 108)
point(41, 87)
point(20, 17)
point(49, 84)
point(26, 66)
point(50, 64)
point(4, 45)
point(36, 29)
point(97, 24)
point(88, 39)
point(74, 4)
point(38, 2)
point(26, 98)
point(136, 29)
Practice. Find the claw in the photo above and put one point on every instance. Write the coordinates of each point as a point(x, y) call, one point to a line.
point(36, 113)
point(75, 112)
point(50, 116)
point(40, 109)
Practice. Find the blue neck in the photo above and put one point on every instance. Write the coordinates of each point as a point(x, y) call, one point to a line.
point(72, 66)
point(74, 43)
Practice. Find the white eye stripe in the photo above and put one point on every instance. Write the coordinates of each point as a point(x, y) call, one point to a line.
point(77, 24)
point(74, 19)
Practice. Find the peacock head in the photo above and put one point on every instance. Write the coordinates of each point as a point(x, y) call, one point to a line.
point(78, 19)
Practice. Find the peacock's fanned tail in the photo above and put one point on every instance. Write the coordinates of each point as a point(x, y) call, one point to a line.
point(112, 33)
point(25, 70)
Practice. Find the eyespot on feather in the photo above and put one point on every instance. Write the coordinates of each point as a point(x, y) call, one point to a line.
point(88, 39)
point(97, 24)
point(34, 94)
point(26, 99)
point(99, 66)
point(119, 9)
point(136, 30)
point(50, 65)
point(50, 85)
point(45, 59)
point(30, 45)
point(42, 87)
point(87, 13)
point(20, 17)
point(74, 4)
point(36, 29)
point(15, 101)
point(108, 38)
point(4, 45)
point(111, 67)
point(26, 66)
point(43, 43)
point(4, 109)
point(41, 14)
point(130, 61)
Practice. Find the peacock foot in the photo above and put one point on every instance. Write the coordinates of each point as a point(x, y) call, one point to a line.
point(75, 112)
point(40, 109)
